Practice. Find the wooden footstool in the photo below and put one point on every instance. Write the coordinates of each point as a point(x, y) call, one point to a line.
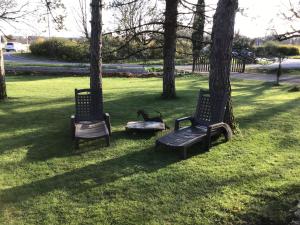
point(145, 126)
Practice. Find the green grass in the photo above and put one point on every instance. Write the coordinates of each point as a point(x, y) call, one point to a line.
point(254, 179)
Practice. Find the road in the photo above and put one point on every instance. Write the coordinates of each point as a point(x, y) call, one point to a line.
point(18, 59)
point(140, 69)
point(13, 58)
point(286, 64)
point(26, 63)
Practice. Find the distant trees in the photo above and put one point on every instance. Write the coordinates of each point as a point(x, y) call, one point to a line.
point(12, 11)
point(221, 53)
point(198, 28)
point(291, 16)
point(81, 18)
point(144, 25)
point(139, 30)
point(241, 42)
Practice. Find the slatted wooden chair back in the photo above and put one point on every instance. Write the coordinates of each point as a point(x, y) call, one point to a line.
point(87, 106)
point(208, 112)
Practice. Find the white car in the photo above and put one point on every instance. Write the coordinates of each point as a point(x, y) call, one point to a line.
point(15, 47)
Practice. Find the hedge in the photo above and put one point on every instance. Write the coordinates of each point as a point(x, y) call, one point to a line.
point(59, 48)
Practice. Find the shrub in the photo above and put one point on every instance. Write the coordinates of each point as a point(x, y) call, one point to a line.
point(274, 49)
point(59, 48)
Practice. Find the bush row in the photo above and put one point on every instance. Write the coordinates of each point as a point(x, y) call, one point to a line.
point(274, 49)
point(76, 50)
point(59, 48)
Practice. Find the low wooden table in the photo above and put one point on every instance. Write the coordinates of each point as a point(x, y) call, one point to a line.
point(145, 126)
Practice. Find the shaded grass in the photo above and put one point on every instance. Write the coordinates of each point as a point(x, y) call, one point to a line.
point(254, 179)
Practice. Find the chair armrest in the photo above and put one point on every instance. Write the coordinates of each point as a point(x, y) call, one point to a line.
point(107, 122)
point(177, 121)
point(216, 126)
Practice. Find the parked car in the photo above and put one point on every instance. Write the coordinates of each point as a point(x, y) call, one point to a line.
point(245, 54)
point(16, 47)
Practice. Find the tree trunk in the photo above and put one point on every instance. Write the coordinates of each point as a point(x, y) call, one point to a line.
point(96, 54)
point(221, 52)
point(3, 94)
point(198, 26)
point(169, 50)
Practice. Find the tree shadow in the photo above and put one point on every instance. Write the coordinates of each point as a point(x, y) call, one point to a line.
point(137, 171)
point(276, 207)
point(46, 132)
point(265, 114)
point(145, 161)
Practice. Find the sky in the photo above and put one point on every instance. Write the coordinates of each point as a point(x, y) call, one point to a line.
point(258, 18)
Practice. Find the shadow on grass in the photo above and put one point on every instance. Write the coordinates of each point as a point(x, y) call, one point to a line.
point(46, 133)
point(275, 209)
point(267, 113)
point(145, 160)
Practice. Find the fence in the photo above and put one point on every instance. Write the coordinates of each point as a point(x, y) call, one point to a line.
point(202, 64)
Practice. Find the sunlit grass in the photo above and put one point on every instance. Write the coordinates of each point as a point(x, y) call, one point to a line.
point(254, 179)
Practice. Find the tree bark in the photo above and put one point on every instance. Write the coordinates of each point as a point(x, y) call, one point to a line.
point(169, 49)
point(221, 53)
point(96, 54)
point(198, 26)
point(3, 94)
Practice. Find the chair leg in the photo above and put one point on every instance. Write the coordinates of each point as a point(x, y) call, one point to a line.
point(156, 146)
point(76, 143)
point(183, 154)
point(107, 139)
point(208, 143)
point(72, 128)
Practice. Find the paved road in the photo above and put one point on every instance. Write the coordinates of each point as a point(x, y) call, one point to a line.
point(139, 69)
point(286, 64)
point(15, 58)
point(40, 65)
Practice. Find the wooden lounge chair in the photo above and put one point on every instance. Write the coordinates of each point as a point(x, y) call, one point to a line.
point(88, 123)
point(202, 128)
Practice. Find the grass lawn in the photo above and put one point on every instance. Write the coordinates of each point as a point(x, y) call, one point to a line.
point(254, 179)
